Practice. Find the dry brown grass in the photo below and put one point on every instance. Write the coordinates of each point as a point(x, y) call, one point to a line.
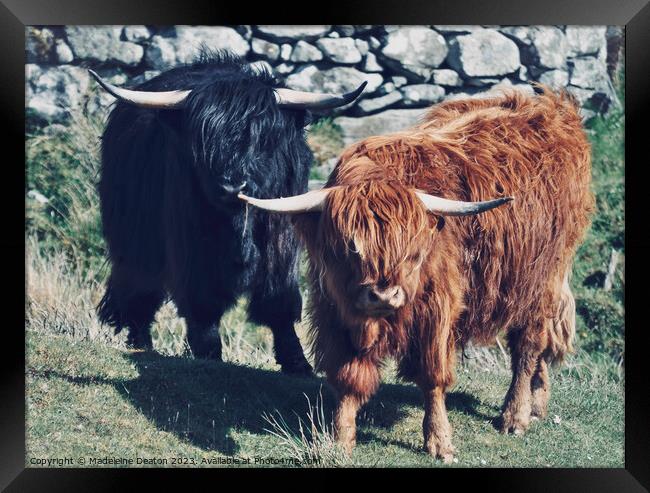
point(61, 300)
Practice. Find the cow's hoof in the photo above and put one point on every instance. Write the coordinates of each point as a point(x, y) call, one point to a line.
point(538, 412)
point(139, 341)
point(298, 368)
point(346, 447)
point(209, 355)
point(444, 452)
point(514, 424)
point(446, 458)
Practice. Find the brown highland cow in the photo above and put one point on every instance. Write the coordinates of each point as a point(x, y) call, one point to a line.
point(393, 276)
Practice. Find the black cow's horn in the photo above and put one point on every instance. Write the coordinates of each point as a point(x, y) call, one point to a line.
point(312, 201)
point(289, 98)
point(146, 99)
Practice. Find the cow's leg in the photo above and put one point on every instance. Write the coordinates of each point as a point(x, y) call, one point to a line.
point(128, 304)
point(355, 382)
point(141, 313)
point(279, 312)
point(526, 347)
point(436, 427)
point(434, 373)
point(203, 331)
point(541, 389)
point(561, 331)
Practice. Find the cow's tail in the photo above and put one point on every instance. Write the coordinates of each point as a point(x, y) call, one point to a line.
point(108, 309)
point(562, 328)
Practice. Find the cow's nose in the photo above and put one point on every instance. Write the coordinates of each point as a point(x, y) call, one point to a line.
point(374, 299)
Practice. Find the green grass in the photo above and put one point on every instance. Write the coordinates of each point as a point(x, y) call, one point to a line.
point(62, 165)
point(325, 139)
point(601, 322)
point(89, 400)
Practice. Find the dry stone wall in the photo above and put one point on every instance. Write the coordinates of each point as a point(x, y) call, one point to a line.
point(408, 68)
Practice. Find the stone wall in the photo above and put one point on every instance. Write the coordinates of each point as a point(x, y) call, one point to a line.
point(407, 67)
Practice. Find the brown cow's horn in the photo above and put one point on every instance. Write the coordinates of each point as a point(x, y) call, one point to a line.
point(446, 207)
point(289, 98)
point(313, 201)
point(146, 99)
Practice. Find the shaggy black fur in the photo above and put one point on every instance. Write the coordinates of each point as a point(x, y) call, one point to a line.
point(170, 216)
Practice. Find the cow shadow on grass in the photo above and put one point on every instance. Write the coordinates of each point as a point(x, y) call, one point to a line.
point(203, 402)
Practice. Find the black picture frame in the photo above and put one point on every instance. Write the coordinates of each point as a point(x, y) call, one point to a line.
point(633, 14)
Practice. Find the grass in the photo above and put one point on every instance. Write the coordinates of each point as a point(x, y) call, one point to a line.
point(89, 400)
point(89, 396)
point(325, 138)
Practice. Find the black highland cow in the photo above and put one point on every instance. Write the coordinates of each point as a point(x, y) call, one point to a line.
point(175, 153)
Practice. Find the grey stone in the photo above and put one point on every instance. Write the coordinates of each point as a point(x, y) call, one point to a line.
point(371, 64)
point(37, 196)
point(290, 33)
point(386, 87)
point(284, 68)
point(333, 34)
point(415, 50)
point(245, 31)
point(375, 104)
point(586, 40)
point(336, 80)
point(52, 92)
point(164, 52)
point(161, 53)
point(484, 53)
point(305, 52)
point(589, 73)
point(507, 85)
point(422, 94)
point(346, 30)
point(190, 38)
point(455, 96)
point(399, 80)
point(523, 73)
point(452, 29)
point(136, 33)
point(583, 96)
point(586, 114)
point(446, 77)
point(498, 89)
point(63, 52)
point(341, 50)
point(555, 78)
point(145, 76)
point(39, 44)
point(519, 34)
point(361, 45)
point(482, 81)
point(150, 74)
point(264, 48)
point(355, 129)
point(374, 43)
point(103, 44)
point(285, 52)
point(550, 46)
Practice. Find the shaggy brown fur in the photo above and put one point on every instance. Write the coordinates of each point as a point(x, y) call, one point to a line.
point(465, 278)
